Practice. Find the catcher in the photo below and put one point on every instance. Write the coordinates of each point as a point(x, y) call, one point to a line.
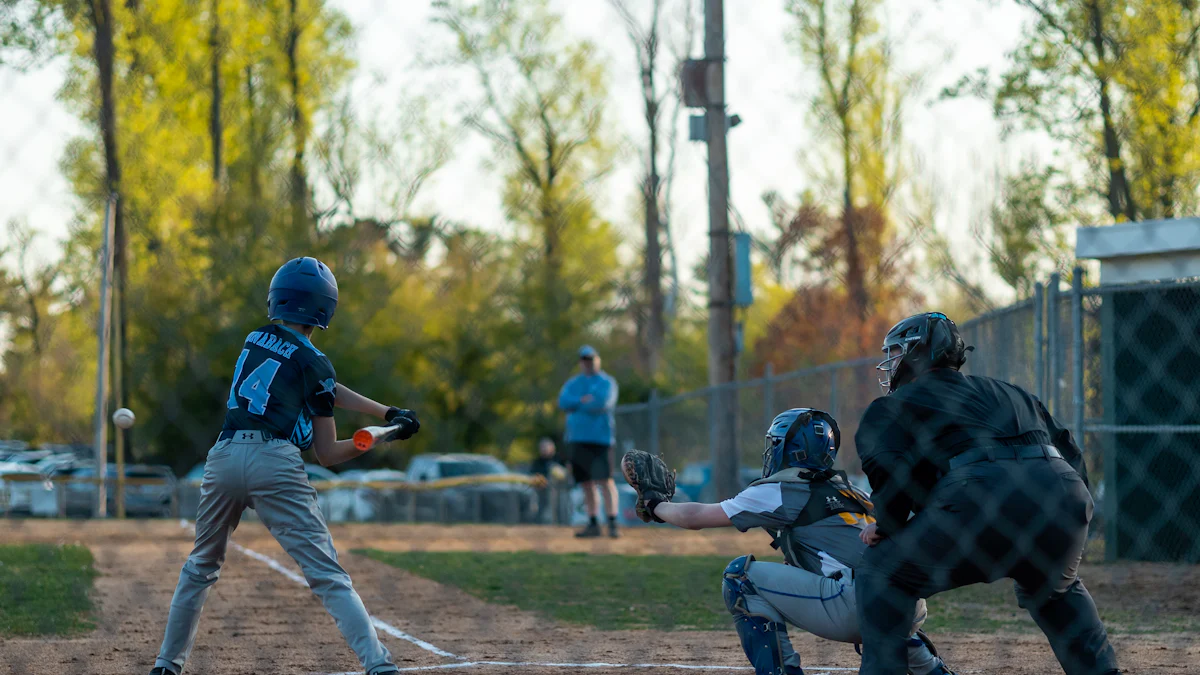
point(816, 519)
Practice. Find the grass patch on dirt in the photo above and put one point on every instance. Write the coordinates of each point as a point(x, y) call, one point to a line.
point(993, 607)
point(45, 589)
point(610, 592)
point(617, 592)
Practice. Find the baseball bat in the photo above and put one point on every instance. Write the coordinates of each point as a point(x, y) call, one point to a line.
point(367, 437)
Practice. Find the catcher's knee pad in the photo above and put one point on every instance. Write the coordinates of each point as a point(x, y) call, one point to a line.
point(735, 585)
point(760, 639)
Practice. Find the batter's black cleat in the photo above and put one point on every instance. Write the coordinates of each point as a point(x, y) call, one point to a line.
point(161, 671)
point(613, 533)
point(589, 532)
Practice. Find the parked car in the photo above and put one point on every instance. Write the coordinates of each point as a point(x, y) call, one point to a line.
point(11, 447)
point(485, 502)
point(316, 475)
point(28, 456)
point(188, 490)
point(140, 500)
point(366, 504)
point(338, 503)
point(152, 500)
point(52, 464)
point(24, 497)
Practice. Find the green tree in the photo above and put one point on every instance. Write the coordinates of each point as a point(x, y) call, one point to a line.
point(838, 247)
point(1116, 83)
point(542, 104)
point(48, 371)
point(858, 106)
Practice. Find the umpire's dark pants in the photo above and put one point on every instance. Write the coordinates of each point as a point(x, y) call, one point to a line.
point(1026, 520)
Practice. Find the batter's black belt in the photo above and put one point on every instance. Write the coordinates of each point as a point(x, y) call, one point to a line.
point(230, 434)
point(1005, 452)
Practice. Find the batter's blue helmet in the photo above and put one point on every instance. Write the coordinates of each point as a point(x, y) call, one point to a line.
point(303, 291)
point(801, 438)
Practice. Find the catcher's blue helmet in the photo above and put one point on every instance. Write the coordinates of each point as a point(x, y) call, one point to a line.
point(801, 438)
point(303, 291)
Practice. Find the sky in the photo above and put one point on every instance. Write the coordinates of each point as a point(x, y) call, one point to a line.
point(955, 145)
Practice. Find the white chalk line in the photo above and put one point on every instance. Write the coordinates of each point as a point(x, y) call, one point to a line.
point(537, 664)
point(379, 624)
point(462, 662)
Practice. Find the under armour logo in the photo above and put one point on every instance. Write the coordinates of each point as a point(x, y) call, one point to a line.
point(246, 435)
point(833, 503)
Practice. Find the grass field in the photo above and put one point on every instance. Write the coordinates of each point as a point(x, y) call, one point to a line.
point(614, 592)
point(45, 589)
point(610, 592)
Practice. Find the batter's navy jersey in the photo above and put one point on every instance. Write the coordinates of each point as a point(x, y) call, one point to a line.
point(280, 383)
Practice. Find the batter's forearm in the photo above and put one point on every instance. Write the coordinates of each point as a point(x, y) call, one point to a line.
point(348, 399)
point(337, 452)
point(329, 450)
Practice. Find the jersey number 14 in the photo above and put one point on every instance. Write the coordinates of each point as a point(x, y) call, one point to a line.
point(256, 388)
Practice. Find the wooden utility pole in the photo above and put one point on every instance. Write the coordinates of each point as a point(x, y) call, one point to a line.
point(721, 350)
point(103, 333)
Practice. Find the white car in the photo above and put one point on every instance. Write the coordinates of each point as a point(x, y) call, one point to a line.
point(362, 504)
point(26, 497)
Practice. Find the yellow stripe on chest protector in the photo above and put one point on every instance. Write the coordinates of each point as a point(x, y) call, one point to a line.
point(856, 518)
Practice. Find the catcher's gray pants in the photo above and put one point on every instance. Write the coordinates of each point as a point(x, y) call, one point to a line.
point(819, 605)
point(269, 477)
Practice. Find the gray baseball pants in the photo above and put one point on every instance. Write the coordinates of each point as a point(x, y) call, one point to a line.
point(822, 606)
point(267, 476)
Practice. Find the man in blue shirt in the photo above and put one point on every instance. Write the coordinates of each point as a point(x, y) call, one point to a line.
point(589, 400)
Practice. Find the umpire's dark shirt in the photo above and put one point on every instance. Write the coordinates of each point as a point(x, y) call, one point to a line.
point(906, 439)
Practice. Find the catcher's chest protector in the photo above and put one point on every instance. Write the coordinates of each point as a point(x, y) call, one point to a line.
point(827, 498)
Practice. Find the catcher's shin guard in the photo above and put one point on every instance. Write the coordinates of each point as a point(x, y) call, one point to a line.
point(760, 636)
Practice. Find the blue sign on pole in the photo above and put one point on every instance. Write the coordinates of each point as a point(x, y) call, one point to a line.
point(743, 292)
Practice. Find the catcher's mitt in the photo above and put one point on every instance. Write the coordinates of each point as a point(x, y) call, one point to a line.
point(650, 477)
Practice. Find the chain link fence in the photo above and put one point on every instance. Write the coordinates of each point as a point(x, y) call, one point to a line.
point(1115, 365)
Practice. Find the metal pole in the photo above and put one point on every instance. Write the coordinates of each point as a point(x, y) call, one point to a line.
point(1039, 363)
point(712, 432)
point(100, 423)
point(653, 422)
point(118, 397)
point(1077, 398)
point(1052, 325)
point(833, 392)
point(721, 356)
point(768, 395)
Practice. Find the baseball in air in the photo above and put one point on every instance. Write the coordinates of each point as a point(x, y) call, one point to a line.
point(123, 418)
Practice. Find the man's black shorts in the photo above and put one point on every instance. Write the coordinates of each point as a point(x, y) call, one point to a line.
point(591, 462)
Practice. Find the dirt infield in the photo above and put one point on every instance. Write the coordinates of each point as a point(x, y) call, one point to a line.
point(259, 621)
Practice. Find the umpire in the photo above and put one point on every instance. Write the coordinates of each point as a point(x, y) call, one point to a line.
point(998, 487)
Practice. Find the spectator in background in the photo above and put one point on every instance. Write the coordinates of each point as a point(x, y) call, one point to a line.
point(547, 465)
point(589, 399)
point(546, 460)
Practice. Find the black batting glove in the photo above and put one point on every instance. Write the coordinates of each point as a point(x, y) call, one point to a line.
point(406, 421)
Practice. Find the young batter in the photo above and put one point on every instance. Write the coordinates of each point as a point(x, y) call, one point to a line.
point(281, 403)
point(816, 519)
